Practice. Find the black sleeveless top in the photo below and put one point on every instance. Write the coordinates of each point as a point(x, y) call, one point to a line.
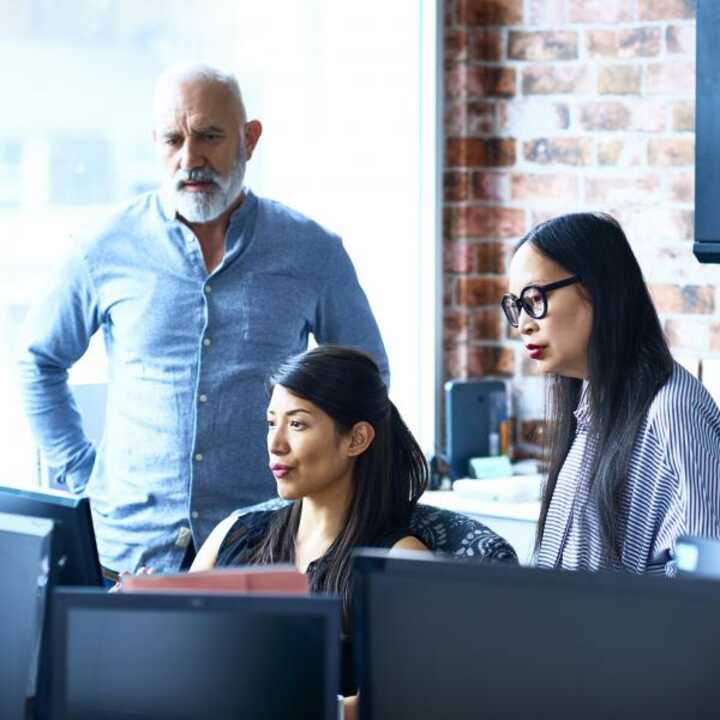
point(243, 539)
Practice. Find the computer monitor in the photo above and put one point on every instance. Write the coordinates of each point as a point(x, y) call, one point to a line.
point(444, 639)
point(77, 552)
point(697, 557)
point(26, 551)
point(187, 656)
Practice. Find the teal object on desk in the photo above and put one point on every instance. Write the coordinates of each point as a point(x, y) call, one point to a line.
point(490, 467)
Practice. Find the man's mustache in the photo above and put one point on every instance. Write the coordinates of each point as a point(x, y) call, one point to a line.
point(182, 177)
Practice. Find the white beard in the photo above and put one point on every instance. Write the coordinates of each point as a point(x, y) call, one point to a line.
point(203, 207)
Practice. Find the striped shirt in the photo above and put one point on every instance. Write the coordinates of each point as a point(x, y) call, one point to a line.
point(672, 486)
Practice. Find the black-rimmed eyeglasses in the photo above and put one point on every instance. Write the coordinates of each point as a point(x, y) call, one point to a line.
point(533, 300)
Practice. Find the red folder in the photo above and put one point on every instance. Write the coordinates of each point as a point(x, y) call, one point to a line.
point(275, 579)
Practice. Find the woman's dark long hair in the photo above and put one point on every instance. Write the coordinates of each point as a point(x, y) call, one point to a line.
point(388, 478)
point(628, 359)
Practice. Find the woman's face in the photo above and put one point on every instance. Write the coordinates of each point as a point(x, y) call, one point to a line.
point(559, 341)
point(307, 455)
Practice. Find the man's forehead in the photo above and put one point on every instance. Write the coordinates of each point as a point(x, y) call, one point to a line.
point(201, 101)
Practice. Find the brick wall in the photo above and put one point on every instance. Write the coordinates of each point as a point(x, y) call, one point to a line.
point(560, 105)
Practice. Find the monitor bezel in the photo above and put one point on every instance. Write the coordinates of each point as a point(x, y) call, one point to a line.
point(67, 599)
point(67, 511)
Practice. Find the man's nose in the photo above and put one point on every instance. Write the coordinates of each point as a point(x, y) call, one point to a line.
point(190, 157)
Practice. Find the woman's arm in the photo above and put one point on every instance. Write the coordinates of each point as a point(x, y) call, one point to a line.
point(409, 542)
point(207, 554)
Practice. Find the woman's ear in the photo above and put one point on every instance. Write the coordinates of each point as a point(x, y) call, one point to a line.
point(361, 437)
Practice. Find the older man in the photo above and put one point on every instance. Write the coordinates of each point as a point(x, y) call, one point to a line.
point(199, 289)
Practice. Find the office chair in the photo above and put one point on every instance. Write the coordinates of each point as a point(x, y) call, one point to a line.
point(697, 556)
point(443, 531)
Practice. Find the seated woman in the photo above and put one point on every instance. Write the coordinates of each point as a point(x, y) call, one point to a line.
point(340, 450)
point(634, 439)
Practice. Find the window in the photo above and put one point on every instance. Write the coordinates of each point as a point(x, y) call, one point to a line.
point(346, 92)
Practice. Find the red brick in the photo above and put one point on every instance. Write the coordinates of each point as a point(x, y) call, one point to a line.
point(552, 79)
point(687, 299)
point(490, 186)
point(688, 333)
point(474, 257)
point(488, 360)
point(456, 186)
point(680, 39)
point(682, 187)
point(620, 153)
point(460, 257)
point(671, 151)
point(670, 78)
point(486, 45)
point(544, 187)
point(480, 152)
point(620, 80)
point(487, 324)
point(480, 117)
point(600, 11)
point(619, 190)
point(481, 81)
point(490, 257)
point(604, 116)
point(455, 326)
point(533, 115)
point(632, 43)
point(666, 9)
point(490, 12)
point(559, 151)
point(484, 222)
point(466, 119)
point(546, 12)
point(456, 47)
point(456, 362)
point(556, 45)
point(473, 291)
point(683, 114)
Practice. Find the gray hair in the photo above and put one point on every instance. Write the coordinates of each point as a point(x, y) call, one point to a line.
point(203, 73)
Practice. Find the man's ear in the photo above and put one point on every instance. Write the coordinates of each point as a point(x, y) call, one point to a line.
point(361, 437)
point(252, 131)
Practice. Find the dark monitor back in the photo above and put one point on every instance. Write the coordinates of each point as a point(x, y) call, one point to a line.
point(75, 537)
point(447, 639)
point(189, 656)
point(25, 552)
point(474, 410)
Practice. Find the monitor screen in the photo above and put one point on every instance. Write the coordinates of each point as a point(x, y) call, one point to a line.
point(25, 549)
point(457, 639)
point(191, 656)
point(77, 552)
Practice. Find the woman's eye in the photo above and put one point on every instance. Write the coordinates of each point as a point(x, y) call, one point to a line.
point(270, 423)
point(297, 425)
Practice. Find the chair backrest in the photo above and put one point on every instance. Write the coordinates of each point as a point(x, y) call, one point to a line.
point(441, 530)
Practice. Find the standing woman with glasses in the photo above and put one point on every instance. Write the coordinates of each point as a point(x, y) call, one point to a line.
point(633, 438)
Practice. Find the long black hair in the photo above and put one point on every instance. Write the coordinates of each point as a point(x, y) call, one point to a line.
point(628, 359)
point(388, 478)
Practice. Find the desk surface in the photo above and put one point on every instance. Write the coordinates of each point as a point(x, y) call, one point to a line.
point(450, 500)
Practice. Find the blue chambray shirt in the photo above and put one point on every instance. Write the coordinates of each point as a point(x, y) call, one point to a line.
point(189, 354)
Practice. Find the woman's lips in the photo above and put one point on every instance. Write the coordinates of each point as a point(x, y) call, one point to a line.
point(280, 470)
point(535, 351)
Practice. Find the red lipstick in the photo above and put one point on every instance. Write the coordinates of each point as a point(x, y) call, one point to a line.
point(535, 351)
